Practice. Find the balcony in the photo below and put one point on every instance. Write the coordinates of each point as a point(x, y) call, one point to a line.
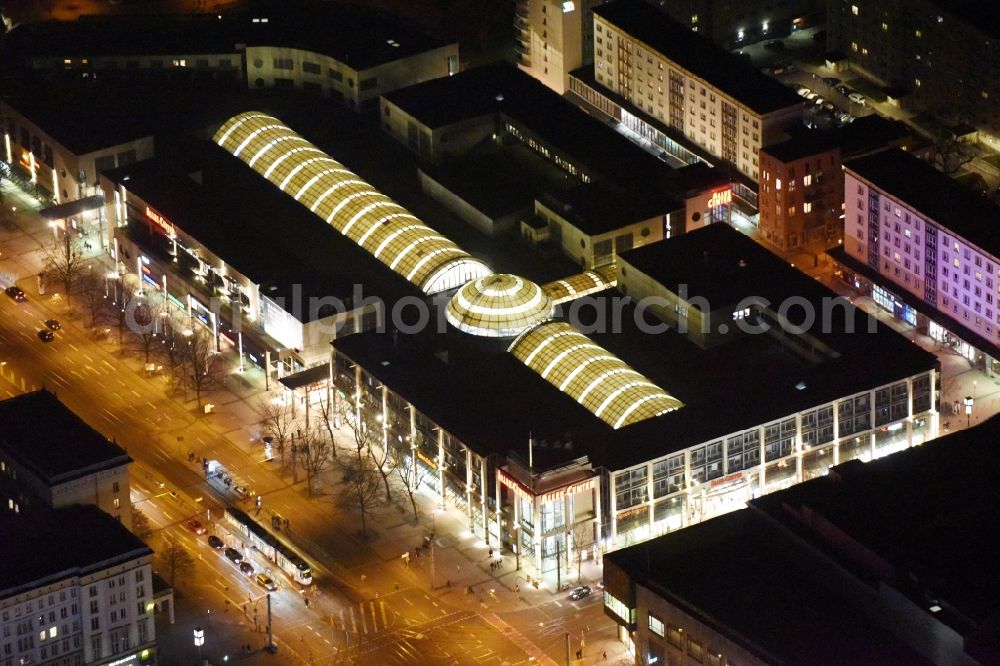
point(521, 10)
point(520, 24)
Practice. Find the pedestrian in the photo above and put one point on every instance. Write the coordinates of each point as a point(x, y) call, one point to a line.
point(517, 589)
point(397, 586)
point(363, 578)
point(307, 602)
point(605, 655)
point(579, 654)
point(491, 553)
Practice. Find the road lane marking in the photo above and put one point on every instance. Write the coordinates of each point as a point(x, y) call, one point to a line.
point(74, 347)
point(135, 393)
point(111, 415)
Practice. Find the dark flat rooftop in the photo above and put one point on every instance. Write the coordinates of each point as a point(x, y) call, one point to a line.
point(44, 436)
point(982, 14)
point(501, 88)
point(63, 543)
point(933, 194)
point(699, 55)
point(257, 229)
point(499, 414)
point(353, 35)
point(864, 135)
point(743, 577)
point(927, 513)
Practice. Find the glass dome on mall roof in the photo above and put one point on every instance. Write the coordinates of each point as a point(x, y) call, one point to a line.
point(498, 306)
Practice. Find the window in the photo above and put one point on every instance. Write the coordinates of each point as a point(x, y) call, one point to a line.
point(311, 68)
point(335, 75)
point(807, 207)
point(656, 625)
point(284, 63)
point(854, 9)
point(807, 180)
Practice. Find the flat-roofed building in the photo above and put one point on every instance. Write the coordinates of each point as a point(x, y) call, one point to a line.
point(924, 247)
point(681, 79)
point(49, 457)
point(584, 465)
point(76, 587)
point(843, 563)
point(340, 51)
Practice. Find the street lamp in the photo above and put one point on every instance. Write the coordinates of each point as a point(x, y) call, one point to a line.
point(969, 400)
point(199, 640)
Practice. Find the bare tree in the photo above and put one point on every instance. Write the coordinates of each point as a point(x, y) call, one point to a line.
point(147, 326)
point(368, 438)
point(381, 456)
point(329, 416)
point(361, 488)
point(175, 560)
point(64, 261)
point(93, 287)
point(409, 472)
point(315, 456)
point(951, 154)
point(277, 421)
point(583, 538)
point(202, 368)
point(140, 524)
point(124, 296)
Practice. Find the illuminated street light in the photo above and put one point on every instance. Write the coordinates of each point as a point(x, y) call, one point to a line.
point(969, 400)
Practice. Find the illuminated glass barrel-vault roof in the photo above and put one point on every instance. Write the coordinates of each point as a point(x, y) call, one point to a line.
point(581, 284)
point(594, 377)
point(353, 207)
point(498, 306)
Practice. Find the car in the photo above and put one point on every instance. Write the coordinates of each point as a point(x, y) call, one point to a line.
point(811, 96)
point(803, 91)
point(829, 106)
point(234, 555)
point(53, 324)
point(775, 45)
point(830, 80)
point(16, 293)
point(580, 592)
point(266, 582)
point(843, 90)
point(845, 117)
point(857, 98)
point(45, 335)
point(195, 526)
point(215, 542)
point(819, 101)
point(246, 568)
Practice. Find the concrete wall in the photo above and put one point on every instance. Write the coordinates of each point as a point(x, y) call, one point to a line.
point(492, 227)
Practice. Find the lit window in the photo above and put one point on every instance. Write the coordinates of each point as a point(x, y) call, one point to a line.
point(916, 82)
point(117, 503)
point(885, 26)
point(52, 632)
point(919, 34)
point(854, 46)
point(854, 9)
point(807, 180)
point(656, 625)
point(807, 207)
point(777, 183)
point(694, 19)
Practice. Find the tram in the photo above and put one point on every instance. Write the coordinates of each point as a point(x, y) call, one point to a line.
point(273, 549)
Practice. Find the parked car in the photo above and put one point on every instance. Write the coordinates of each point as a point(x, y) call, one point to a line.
point(45, 335)
point(845, 117)
point(195, 526)
point(234, 555)
point(266, 582)
point(215, 542)
point(843, 90)
point(857, 98)
point(580, 592)
point(16, 293)
point(803, 91)
point(246, 568)
point(811, 96)
point(831, 80)
point(53, 324)
point(775, 45)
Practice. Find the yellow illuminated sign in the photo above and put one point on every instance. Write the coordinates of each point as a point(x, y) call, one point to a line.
point(720, 198)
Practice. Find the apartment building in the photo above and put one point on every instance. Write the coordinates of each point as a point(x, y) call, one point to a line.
point(946, 54)
point(76, 589)
point(924, 247)
point(554, 37)
point(50, 458)
point(714, 99)
point(733, 24)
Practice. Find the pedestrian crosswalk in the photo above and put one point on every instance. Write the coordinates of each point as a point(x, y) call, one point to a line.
point(369, 617)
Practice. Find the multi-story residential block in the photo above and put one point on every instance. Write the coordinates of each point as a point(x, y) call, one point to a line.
point(76, 589)
point(946, 53)
point(682, 80)
point(49, 457)
point(844, 564)
point(924, 247)
point(553, 38)
point(340, 51)
point(801, 184)
point(733, 24)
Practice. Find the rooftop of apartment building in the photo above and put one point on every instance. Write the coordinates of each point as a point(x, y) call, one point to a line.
point(699, 56)
point(44, 436)
point(743, 578)
point(933, 194)
point(358, 37)
point(919, 520)
point(501, 88)
point(864, 135)
point(255, 228)
point(446, 381)
point(74, 541)
point(982, 14)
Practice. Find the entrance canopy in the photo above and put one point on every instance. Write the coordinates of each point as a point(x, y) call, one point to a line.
point(71, 208)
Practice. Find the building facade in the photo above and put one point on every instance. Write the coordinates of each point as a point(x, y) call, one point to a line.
point(912, 240)
point(86, 467)
point(554, 37)
point(800, 195)
point(945, 54)
point(713, 99)
point(89, 605)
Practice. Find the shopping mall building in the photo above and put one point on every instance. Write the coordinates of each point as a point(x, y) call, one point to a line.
point(573, 417)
